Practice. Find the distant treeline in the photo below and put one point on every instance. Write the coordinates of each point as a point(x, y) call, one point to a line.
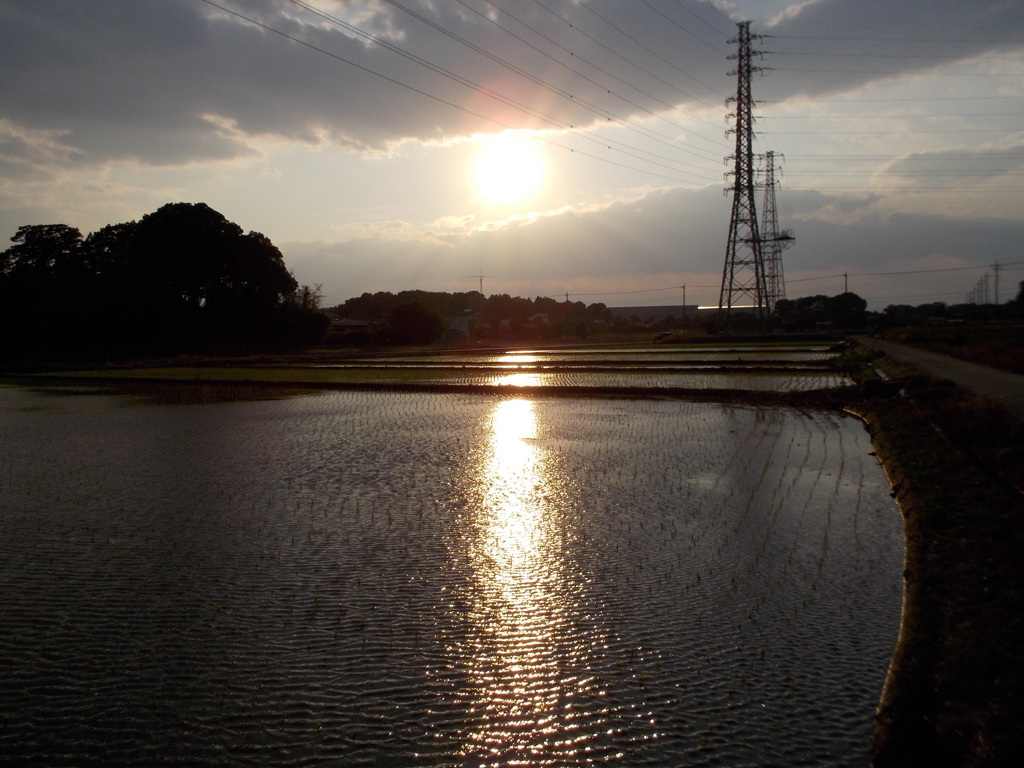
point(410, 317)
point(182, 278)
point(848, 310)
point(185, 279)
point(416, 317)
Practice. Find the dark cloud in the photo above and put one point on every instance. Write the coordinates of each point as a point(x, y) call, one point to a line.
point(831, 46)
point(138, 78)
point(162, 83)
point(879, 240)
point(952, 167)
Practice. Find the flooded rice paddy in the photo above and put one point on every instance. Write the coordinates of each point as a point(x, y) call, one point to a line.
point(640, 378)
point(782, 368)
point(393, 579)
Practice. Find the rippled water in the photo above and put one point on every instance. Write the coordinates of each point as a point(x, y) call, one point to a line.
point(640, 378)
point(755, 382)
point(692, 353)
point(774, 368)
point(394, 579)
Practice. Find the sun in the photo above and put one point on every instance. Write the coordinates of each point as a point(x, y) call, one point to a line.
point(509, 168)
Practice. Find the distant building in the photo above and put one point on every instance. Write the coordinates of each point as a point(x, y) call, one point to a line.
point(347, 326)
point(465, 322)
point(654, 314)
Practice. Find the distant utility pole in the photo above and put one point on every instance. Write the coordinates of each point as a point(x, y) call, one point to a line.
point(979, 294)
point(481, 277)
point(773, 240)
point(743, 277)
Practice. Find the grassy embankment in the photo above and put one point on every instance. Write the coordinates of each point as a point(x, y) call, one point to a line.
point(955, 692)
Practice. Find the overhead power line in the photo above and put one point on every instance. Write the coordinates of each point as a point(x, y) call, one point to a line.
point(835, 276)
point(900, 99)
point(899, 40)
point(903, 190)
point(683, 29)
point(935, 56)
point(890, 72)
point(930, 116)
point(578, 30)
point(934, 270)
point(723, 33)
point(563, 126)
point(558, 91)
point(619, 30)
point(645, 150)
point(576, 57)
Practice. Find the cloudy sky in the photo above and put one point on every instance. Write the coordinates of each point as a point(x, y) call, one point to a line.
point(543, 147)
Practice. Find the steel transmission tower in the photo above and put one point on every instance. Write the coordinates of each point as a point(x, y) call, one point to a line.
point(743, 278)
point(773, 240)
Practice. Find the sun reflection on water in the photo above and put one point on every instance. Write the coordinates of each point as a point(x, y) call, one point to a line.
point(521, 378)
point(528, 661)
point(518, 380)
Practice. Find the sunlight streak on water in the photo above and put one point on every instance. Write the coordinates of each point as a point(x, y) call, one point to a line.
point(524, 647)
point(519, 379)
point(380, 578)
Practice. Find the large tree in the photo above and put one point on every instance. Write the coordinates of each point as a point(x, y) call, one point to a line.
point(194, 264)
point(41, 277)
point(181, 275)
point(40, 251)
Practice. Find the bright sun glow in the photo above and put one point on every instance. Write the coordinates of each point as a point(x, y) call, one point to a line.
point(509, 169)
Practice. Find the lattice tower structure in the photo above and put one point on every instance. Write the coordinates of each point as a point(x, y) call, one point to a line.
point(743, 276)
point(773, 240)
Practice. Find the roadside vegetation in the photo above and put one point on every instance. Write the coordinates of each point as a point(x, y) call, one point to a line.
point(996, 345)
point(954, 693)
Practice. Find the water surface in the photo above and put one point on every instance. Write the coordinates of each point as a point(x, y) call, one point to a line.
point(372, 578)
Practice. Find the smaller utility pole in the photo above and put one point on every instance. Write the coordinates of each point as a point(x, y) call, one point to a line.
point(480, 278)
point(773, 240)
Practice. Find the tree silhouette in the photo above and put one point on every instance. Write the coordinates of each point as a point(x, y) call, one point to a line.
point(412, 323)
point(182, 275)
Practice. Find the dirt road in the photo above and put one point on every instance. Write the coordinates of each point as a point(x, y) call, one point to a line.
point(1006, 389)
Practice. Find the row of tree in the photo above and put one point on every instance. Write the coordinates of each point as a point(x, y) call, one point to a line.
point(181, 278)
point(849, 311)
point(415, 317)
point(184, 278)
